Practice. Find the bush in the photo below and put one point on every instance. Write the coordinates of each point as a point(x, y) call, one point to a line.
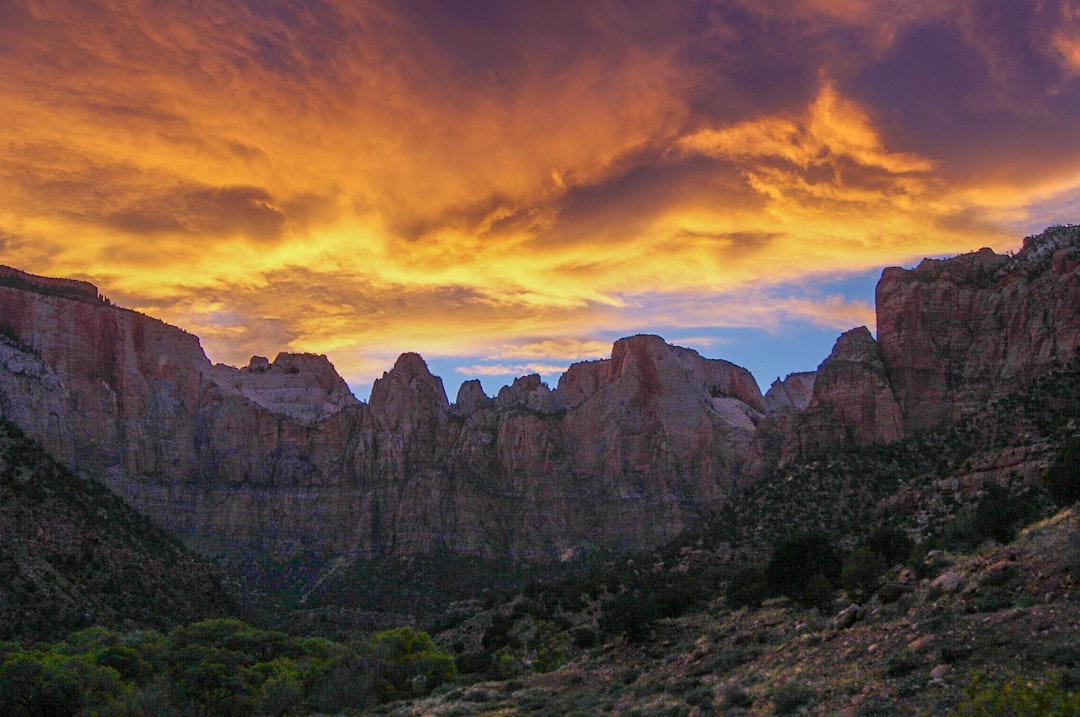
point(1063, 475)
point(49, 683)
point(585, 638)
point(736, 697)
point(629, 614)
point(892, 544)
point(901, 663)
point(408, 663)
point(702, 698)
point(804, 568)
point(996, 516)
point(1072, 554)
point(746, 589)
point(862, 574)
point(1018, 698)
point(790, 697)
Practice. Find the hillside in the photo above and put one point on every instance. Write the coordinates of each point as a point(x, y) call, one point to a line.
point(867, 579)
point(73, 555)
point(960, 610)
point(1002, 617)
point(965, 595)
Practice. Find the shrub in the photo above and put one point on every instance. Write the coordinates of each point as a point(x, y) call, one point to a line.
point(1063, 475)
point(1072, 554)
point(585, 638)
point(408, 663)
point(803, 568)
point(790, 697)
point(862, 574)
point(892, 544)
point(736, 697)
point(702, 698)
point(996, 516)
point(747, 588)
point(901, 663)
point(48, 683)
point(629, 614)
point(1018, 698)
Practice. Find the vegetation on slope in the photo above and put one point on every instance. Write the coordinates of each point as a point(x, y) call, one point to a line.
point(73, 555)
point(887, 580)
point(216, 667)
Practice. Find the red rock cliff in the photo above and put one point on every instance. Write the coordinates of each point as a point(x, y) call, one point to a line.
point(279, 459)
point(958, 332)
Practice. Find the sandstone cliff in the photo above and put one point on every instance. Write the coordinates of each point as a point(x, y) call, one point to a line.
point(279, 459)
point(958, 332)
point(852, 402)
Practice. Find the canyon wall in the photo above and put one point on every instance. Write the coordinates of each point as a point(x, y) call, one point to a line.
point(278, 459)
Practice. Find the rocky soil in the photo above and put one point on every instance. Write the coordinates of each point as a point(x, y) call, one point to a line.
point(1001, 612)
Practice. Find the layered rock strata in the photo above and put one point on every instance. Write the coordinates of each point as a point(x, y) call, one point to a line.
point(955, 333)
point(279, 459)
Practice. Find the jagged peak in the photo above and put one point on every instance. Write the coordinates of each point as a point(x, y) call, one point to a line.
point(410, 372)
point(794, 391)
point(470, 397)
point(857, 344)
point(1051, 238)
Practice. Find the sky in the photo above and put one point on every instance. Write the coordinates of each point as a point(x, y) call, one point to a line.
point(508, 187)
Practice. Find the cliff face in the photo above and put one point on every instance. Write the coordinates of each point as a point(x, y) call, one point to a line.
point(279, 459)
point(852, 403)
point(958, 332)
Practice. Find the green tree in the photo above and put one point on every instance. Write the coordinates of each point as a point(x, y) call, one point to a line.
point(408, 663)
point(48, 683)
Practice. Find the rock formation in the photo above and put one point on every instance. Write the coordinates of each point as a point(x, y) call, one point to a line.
point(304, 387)
point(795, 392)
point(955, 333)
point(852, 403)
point(279, 459)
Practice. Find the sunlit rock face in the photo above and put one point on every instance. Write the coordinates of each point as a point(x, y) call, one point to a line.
point(958, 332)
point(660, 420)
point(277, 458)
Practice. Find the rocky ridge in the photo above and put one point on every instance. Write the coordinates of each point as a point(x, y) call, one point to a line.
point(277, 459)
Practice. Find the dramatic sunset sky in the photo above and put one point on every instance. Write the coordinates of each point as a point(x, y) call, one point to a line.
point(507, 187)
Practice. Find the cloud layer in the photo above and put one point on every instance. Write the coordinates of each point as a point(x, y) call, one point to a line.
point(507, 185)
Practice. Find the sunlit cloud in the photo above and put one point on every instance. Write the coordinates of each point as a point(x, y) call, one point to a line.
point(510, 186)
point(553, 348)
point(1069, 47)
point(524, 369)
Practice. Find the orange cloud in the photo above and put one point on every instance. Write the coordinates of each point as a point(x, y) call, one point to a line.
point(362, 178)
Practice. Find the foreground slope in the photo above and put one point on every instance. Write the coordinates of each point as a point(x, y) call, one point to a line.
point(73, 555)
point(1002, 618)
